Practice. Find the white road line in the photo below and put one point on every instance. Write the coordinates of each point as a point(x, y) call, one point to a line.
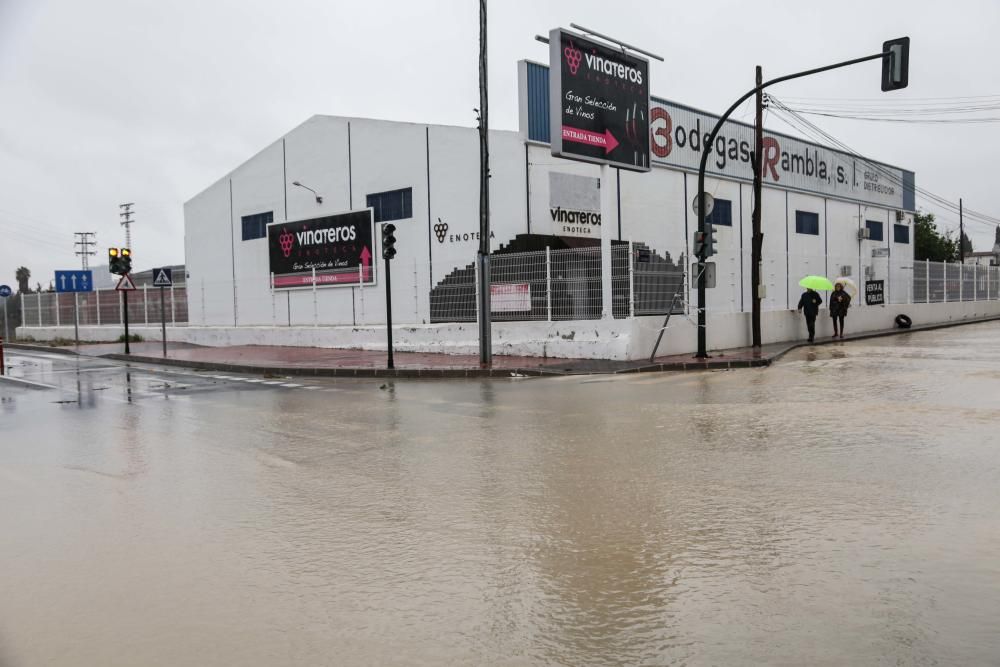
point(312, 387)
point(272, 383)
point(291, 384)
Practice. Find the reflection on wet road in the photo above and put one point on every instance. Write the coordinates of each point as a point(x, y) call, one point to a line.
point(838, 508)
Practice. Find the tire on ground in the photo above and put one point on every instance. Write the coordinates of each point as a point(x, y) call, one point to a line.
point(903, 321)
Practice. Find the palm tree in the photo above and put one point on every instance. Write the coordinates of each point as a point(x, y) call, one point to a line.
point(22, 274)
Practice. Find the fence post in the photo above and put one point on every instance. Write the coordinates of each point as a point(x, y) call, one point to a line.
point(173, 306)
point(975, 282)
point(361, 290)
point(57, 308)
point(961, 283)
point(145, 304)
point(989, 278)
point(274, 312)
point(97, 295)
point(548, 283)
point(39, 300)
point(315, 310)
point(944, 279)
point(631, 280)
point(22, 298)
point(477, 290)
point(927, 283)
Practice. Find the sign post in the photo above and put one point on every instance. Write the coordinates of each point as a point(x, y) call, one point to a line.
point(74, 281)
point(125, 285)
point(163, 278)
point(5, 293)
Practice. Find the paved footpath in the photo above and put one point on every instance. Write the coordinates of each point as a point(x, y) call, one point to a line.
point(331, 362)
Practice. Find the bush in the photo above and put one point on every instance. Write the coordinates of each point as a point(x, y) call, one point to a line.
point(133, 338)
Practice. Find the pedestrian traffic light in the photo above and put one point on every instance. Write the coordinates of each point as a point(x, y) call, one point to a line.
point(126, 261)
point(388, 241)
point(896, 65)
point(704, 243)
point(114, 261)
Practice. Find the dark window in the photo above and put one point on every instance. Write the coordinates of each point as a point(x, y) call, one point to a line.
point(255, 226)
point(806, 223)
point(874, 230)
point(392, 205)
point(722, 213)
point(900, 233)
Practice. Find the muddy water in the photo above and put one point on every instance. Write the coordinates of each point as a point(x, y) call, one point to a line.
point(839, 508)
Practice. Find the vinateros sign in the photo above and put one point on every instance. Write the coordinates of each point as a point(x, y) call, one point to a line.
point(337, 247)
point(600, 102)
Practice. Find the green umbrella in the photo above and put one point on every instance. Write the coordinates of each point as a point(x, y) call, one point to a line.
point(818, 283)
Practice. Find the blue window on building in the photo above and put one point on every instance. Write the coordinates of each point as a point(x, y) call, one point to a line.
point(806, 223)
point(722, 213)
point(392, 205)
point(255, 226)
point(874, 230)
point(900, 234)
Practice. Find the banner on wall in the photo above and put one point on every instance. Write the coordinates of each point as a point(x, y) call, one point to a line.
point(338, 247)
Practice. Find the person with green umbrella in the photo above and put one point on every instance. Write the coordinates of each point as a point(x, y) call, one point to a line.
point(810, 301)
point(809, 304)
point(840, 301)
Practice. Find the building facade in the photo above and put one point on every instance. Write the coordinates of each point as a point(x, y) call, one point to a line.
point(824, 212)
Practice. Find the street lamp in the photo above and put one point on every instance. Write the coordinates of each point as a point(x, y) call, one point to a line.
point(319, 199)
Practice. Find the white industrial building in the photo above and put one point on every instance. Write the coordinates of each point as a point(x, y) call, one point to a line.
point(824, 212)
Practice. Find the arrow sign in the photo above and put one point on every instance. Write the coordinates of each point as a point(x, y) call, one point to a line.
point(606, 140)
point(366, 257)
point(125, 284)
point(74, 281)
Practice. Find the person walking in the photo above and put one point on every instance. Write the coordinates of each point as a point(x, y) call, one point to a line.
point(809, 304)
point(840, 301)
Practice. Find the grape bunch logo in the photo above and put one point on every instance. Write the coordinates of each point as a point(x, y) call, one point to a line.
point(573, 57)
point(286, 240)
point(440, 230)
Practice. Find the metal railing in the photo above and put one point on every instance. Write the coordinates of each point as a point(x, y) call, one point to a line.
point(103, 307)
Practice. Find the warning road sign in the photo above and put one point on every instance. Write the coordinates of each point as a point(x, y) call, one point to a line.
point(125, 284)
point(163, 277)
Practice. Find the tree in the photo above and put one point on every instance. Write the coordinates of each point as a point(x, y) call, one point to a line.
point(22, 275)
point(930, 243)
point(966, 245)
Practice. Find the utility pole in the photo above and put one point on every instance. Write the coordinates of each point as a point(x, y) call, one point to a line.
point(961, 234)
point(483, 258)
point(757, 236)
point(85, 241)
point(126, 216)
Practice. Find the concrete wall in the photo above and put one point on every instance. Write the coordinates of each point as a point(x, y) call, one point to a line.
point(589, 339)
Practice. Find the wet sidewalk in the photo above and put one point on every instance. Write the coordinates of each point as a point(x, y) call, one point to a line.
point(329, 362)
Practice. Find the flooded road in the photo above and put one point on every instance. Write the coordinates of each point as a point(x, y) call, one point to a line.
point(838, 508)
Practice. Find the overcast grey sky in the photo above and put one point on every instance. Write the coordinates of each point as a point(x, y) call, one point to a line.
point(108, 101)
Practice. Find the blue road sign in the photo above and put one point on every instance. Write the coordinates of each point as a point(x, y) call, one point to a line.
point(74, 281)
point(5, 291)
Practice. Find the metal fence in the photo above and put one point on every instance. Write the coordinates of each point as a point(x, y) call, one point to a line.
point(556, 285)
point(936, 282)
point(104, 307)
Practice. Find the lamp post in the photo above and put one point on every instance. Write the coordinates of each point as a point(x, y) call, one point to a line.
point(319, 199)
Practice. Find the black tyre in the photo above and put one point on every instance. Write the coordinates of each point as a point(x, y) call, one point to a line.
point(903, 322)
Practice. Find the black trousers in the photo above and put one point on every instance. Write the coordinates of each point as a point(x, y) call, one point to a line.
point(811, 326)
point(838, 319)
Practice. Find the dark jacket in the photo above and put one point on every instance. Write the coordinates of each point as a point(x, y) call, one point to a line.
point(809, 303)
point(839, 303)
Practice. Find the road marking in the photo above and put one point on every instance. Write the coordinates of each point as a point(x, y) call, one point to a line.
point(291, 384)
point(28, 383)
point(272, 383)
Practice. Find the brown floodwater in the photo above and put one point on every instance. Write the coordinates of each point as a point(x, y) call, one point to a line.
point(838, 508)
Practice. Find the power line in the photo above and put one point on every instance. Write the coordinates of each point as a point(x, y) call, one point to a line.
point(126, 222)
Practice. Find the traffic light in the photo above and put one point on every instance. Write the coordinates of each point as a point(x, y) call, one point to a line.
point(704, 243)
point(388, 241)
point(896, 66)
point(114, 261)
point(126, 261)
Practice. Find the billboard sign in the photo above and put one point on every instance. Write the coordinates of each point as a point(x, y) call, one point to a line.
point(338, 247)
point(510, 297)
point(678, 134)
point(599, 98)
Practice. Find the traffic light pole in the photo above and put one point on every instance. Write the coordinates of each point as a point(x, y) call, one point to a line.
point(702, 214)
point(388, 308)
point(125, 318)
